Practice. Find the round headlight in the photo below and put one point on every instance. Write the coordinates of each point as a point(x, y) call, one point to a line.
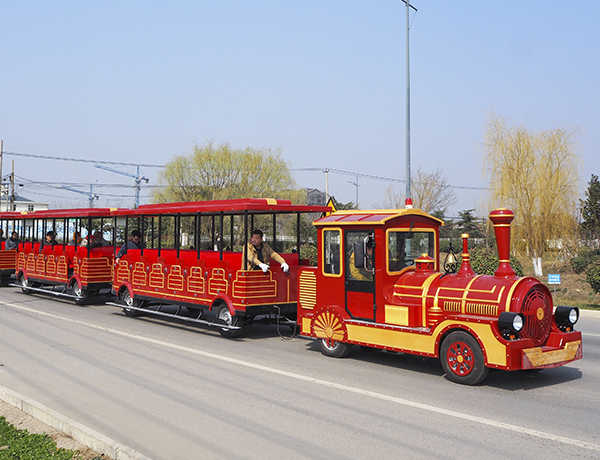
point(573, 316)
point(566, 317)
point(517, 323)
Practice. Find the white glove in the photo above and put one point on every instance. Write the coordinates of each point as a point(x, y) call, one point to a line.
point(264, 267)
point(285, 267)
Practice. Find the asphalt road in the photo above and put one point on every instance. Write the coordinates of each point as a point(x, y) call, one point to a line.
point(174, 391)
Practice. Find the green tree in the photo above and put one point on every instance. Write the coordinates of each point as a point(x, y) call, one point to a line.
point(535, 175)
point(468, 223)
point(218, 173)
point(590, 209)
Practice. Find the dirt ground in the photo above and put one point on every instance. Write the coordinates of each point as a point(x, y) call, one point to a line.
point(574, 290)
point(22, 421)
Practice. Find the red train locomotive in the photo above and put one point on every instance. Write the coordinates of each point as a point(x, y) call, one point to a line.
point(378, 285)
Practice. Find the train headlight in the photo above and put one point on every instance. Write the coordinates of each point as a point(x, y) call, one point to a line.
point(566, 317)
point(510, 324)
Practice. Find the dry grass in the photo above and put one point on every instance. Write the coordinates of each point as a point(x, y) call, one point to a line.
point(574, 290)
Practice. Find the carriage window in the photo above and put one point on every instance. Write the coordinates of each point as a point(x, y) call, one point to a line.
point(405, 247)
point(331, 251)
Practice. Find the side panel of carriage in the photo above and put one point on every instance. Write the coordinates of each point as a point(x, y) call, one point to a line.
point(201, 281)
point(66, 265)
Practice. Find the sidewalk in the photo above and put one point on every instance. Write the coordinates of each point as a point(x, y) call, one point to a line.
point(72, 429)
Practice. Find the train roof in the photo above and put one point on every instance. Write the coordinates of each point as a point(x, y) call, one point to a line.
point(66, 213)
point(371, 217)
point(237, 206)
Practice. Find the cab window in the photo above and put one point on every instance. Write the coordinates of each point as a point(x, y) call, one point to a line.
point(331, 252)
point(405, 247)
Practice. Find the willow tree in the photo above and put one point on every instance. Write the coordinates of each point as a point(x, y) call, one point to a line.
point(535, 175)
point(212, 172)
point(430, 192)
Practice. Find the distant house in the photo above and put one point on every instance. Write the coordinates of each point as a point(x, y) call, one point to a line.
point(23, 204)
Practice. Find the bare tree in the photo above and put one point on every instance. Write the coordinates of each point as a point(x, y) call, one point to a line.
point(430, 192)
point(535, 175)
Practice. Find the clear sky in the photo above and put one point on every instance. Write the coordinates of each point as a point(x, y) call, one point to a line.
point(324, 80)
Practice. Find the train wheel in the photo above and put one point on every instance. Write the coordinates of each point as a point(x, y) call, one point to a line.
point(80, 293)
point(127, 300)
point(225, 316)
point(462, 359)
point(330, 330)
point(330, 347)
point(24, 284)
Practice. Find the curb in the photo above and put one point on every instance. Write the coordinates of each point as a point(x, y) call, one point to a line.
point(77, 431)
point(589, 313)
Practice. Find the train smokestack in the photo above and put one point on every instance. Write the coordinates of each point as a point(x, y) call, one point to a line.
point(501, 218)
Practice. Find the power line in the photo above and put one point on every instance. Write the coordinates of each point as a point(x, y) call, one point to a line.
point(81, 160)
point(380, 178)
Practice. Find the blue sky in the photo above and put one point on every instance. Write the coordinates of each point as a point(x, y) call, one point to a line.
point(323, 80)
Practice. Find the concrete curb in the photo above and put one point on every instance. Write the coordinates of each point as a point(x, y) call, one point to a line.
point(77, 431)
point(589, 313)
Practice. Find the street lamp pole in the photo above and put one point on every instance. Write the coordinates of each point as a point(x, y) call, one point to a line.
point(408, 173)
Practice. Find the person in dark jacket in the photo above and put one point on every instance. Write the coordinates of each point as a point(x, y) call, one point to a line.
point(134, 242)
point(49, 241)
point(12, 242)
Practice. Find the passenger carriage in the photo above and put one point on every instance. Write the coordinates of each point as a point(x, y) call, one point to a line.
point(67, 268)
point(192, 257)
point(397, 298)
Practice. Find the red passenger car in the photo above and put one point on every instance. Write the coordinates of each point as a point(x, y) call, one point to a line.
point(68, 263)
point(378, 284)
point(191, 256)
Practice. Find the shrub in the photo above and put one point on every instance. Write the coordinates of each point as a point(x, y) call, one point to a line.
point(593, 276)
point(485, 261)
point(582, 261)
point(310, 252)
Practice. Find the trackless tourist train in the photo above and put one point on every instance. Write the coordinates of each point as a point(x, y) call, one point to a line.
point(377, 281)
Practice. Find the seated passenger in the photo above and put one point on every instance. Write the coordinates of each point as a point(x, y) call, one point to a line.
point(258, 253)
point(76, 240)
point(98, 241)
point(12, 242)
point(134, 242)
point(48, 241)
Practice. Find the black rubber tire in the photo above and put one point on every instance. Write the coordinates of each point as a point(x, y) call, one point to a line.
point(24, 283)
point(333, 348)
point(462, 359)
point(126, 299)
point(225, 316)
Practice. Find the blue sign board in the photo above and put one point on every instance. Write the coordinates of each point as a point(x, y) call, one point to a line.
point(554, 278)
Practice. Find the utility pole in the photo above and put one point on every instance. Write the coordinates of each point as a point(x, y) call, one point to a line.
point(12, 188)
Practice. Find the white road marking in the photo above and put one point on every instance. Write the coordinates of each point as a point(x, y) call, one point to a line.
point(590, 335)
point(305, 378)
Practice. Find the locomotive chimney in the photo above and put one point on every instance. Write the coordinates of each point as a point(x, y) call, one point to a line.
point(501, 218)
point(465, 267)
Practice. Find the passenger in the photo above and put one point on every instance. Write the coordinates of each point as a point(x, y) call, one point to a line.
point(12, 242)
point(258, 253)
point(49, 241)
point(76, 240)
point(363, 274)
point(2, 236)
point(134, 242)
point(98, 241)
